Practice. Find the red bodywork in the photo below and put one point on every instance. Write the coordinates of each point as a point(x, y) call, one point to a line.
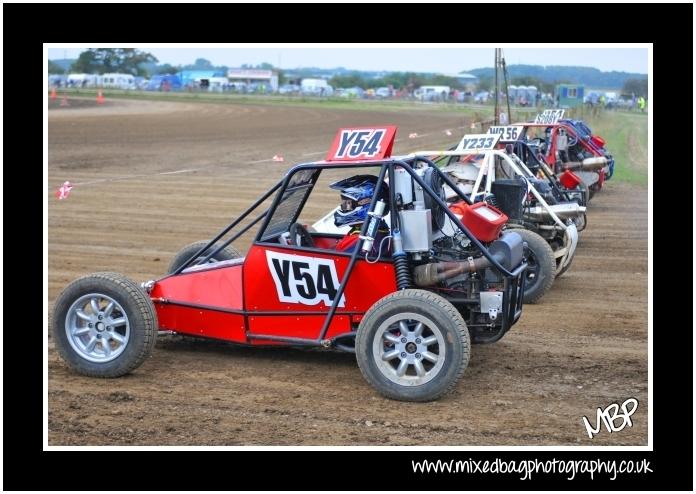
point(236, 300)
point(569, 180)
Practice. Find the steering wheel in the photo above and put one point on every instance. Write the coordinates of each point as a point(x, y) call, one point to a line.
point(572, 140)
point(299, 236)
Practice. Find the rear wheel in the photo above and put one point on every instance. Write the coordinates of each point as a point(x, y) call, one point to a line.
point(104, 325)
point(187, 252)
point(581, 222)
point(413, 345)
point(541, 266)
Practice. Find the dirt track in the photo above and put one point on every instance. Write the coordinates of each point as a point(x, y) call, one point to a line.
point(584, 346)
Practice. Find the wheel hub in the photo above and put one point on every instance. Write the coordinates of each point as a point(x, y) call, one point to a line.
point(97, 327)
point(412, 356)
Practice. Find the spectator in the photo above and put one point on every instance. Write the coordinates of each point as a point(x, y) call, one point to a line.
point(641, 104)
point(594, 100)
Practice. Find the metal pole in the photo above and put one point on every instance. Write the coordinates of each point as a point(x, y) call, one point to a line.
point(507, 95)
point(495, 110)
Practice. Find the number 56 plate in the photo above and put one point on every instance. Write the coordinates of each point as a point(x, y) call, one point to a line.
point(476, 143)
point(508, 133)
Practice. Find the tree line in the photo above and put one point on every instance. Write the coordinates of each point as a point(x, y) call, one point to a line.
point(140, 63)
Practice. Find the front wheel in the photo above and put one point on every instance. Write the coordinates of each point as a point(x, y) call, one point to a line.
point(412, 345)
point(104, 325)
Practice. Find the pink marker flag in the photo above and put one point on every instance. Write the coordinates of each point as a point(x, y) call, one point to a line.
point(64, 190)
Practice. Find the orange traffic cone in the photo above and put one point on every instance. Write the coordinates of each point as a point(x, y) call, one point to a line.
point(64, 101)
point(100, 97)
point(53, 93)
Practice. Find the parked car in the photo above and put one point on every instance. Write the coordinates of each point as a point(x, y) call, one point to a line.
point(383, 92)
point(481, 97)
point(289, 89)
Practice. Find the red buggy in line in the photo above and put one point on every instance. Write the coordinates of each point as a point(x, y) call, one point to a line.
point(409, 313)
point(567, 144)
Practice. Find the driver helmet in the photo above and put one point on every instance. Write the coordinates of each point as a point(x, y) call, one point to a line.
point(356, 195)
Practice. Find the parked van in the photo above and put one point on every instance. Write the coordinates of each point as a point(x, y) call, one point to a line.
point(316, 87)
point(432, 93)
point(118, 81)
point(84, 80)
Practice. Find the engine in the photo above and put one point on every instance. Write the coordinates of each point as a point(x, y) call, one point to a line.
point(456, 269)
point(544, 190)
point(445, 260)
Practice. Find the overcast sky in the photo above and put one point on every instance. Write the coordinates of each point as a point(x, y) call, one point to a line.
point(417, 59)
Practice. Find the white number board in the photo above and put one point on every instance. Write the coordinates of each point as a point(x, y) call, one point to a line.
point(304, 280)
point(475, 143)
point(508, 133)
point(549, 117)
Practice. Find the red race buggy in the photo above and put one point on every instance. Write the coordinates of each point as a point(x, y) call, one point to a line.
point(569, 145)
point(409, 312)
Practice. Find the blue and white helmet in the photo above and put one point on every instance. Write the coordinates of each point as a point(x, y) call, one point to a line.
point(356, 195)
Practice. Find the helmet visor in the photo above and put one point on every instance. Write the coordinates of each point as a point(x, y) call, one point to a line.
point(348, 204)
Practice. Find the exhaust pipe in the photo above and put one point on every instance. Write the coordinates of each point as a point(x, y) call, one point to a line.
point(588, 164)
point(564, 211)
point(508, 250)
point(436, 272)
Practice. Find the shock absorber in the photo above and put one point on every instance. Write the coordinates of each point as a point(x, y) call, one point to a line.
point(403, 273)
point(373, 226)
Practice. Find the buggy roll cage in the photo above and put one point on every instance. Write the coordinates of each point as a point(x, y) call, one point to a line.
point(575, 127)
point(540, 163)
point(584, 134)
point(512, 279)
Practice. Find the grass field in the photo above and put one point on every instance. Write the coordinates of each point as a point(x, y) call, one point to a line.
point(626, 135)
